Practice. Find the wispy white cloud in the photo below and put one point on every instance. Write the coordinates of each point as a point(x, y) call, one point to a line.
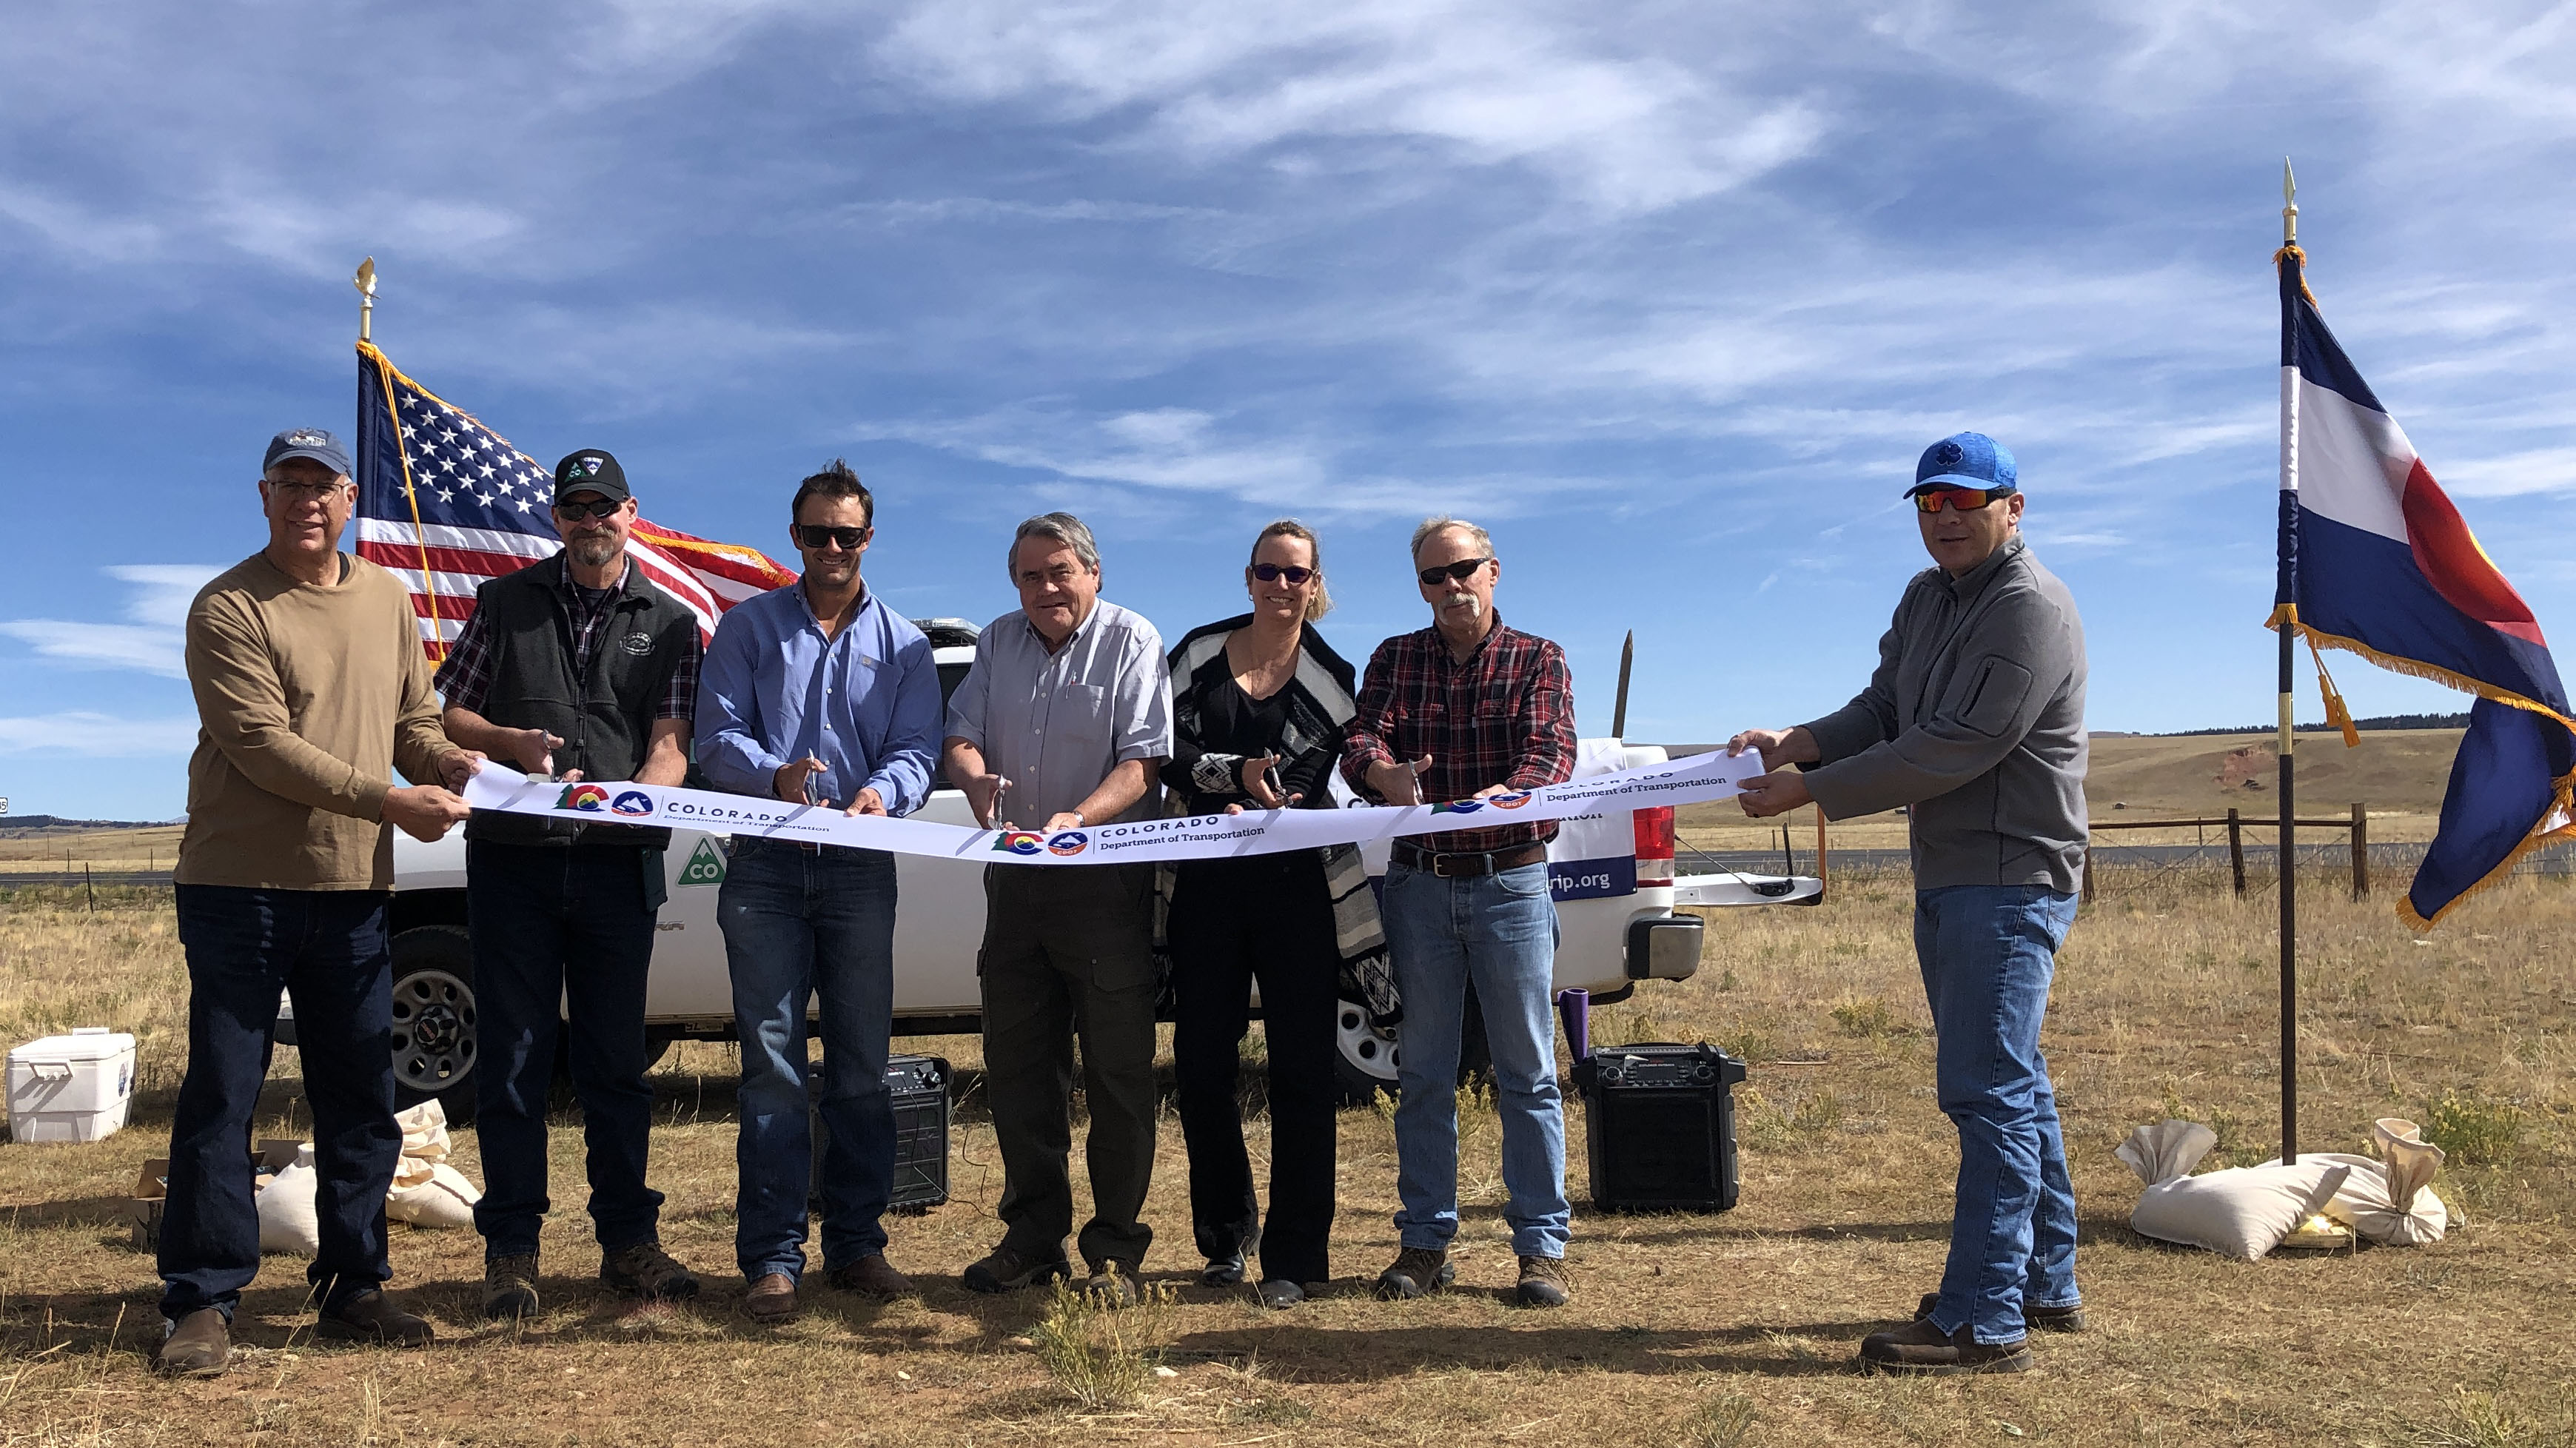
point(153, 640)
point(85, 735)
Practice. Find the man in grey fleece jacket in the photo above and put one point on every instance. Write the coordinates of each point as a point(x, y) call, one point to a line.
point(1975, 720)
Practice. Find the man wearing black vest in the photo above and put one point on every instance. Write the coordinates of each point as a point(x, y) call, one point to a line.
point(575, 664)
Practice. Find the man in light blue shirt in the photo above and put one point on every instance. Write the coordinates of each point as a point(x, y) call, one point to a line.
point(816, 692)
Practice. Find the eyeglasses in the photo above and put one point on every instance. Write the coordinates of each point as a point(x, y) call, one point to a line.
point(819, 538)
point(298, 492)
point(1963, 500)
point(1273, 572)
point(595, 508)
point(1458, 572)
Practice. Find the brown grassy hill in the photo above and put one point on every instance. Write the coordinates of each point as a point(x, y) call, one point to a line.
point(2398, 770)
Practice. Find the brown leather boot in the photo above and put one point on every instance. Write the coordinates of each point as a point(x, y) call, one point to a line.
point(873, 1276)
point(771, 1299)
point(2046, 1319)
point(643, 1269)
point(510, 1287)
point(198, 1346)
point(1415, 1271)
point(1920, 1348)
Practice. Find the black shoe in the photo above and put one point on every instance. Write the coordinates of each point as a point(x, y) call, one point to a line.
point(1416, 1270)
point(1223, 1271)
point(2045, 1319)
point(645, 1270)
point(371, 1316)
point(1279, 1294)
point(510, 1287)
point(1112, 1284)
point(1007, 1271)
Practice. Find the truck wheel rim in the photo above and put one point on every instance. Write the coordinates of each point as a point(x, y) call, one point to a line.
point(433, 1031)
point(1369, 1048)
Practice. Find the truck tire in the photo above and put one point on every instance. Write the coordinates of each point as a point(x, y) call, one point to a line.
point(434, 1020)
point(1363, 1057)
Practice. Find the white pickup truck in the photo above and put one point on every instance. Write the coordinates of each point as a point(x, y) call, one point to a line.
point(1612, 876)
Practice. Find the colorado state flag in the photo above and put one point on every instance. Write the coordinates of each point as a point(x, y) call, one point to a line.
point(2375, 559)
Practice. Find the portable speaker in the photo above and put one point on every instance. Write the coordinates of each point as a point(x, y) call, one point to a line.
point(920, 1088)
point(1659, 1127)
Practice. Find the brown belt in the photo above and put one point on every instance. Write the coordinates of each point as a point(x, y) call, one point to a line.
point(1450, 866)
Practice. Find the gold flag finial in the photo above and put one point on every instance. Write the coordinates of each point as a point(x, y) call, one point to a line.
point(365, 282)
point(2289, 205)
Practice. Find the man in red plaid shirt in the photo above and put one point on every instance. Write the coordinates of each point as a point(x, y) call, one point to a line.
point(1468, 711)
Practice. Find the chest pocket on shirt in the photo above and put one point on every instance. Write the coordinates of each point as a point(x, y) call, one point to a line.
point(1995, 696)
point(1078, 704)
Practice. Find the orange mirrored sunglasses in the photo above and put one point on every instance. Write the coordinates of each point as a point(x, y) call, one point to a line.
point(1962, 500)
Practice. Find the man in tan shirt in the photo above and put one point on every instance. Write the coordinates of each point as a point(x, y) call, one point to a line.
point(312, 690)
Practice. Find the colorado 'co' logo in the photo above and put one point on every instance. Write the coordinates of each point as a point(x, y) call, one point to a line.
point(583, 796)
point(1069, 843)
point(1459, 806)
point(632, 802)
point(1018, 842)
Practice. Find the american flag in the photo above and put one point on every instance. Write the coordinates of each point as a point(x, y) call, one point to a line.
point(445, 503)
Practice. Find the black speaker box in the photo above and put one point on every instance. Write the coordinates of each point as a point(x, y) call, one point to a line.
point(1659, 1127)
point(920, 1087)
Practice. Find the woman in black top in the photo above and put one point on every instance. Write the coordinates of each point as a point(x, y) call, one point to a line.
point(1258, 705)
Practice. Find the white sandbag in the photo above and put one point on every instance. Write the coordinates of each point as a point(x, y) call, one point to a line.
point(424, 1147)
point(287, 1220)
point(2370, 1199)
point(2240, 1212)
point(441, 1198)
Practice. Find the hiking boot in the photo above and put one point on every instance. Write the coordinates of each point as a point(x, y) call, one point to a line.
point(1543, 1283)
point(771, 1299)
point(510, 1286)
point(1920, 1348)
point(645, 1270)
point(872, 1276)
point(197, 1345)
point(2046, 1319)
point(371, 1316)
point(1279, 1294)
point(1417, 1270)
point(1007, 1270)
point(1112, 1284)
point(1224, 1271)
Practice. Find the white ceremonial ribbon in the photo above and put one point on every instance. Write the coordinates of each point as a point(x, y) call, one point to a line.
point(1713, 775)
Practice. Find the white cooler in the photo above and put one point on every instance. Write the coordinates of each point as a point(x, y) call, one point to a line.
point(71, 1088)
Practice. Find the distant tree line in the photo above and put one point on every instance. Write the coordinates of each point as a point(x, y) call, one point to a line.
point(2376, 721)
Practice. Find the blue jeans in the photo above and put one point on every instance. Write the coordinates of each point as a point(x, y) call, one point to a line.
point(1498, 931)
point(328, 949)
point(799, 925)
point(561, 929)
point(1988, 953)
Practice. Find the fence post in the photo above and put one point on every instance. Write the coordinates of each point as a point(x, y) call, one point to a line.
point(88, 886)
point(2088, 873)
point(2360, 852)
point(2236, 850)
point(1821, 881)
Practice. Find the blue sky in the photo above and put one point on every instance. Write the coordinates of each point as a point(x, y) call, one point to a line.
point(1669, 296)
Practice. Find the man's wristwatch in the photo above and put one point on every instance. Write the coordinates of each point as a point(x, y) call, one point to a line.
point(1078, 821)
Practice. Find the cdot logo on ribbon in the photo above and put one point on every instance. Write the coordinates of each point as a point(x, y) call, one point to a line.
point(1018, 842)
point(632, 802)
point(1513, 800)
point(583, 796)
point(1069, 844)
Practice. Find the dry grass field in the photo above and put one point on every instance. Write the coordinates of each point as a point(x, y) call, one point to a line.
point(1734, 1329)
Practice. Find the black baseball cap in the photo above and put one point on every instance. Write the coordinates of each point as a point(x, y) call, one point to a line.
point(590, 470)
point(307, 442)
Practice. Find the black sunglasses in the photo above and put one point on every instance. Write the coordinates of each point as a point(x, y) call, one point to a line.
point(818, 537)
point(1458, 572)
point(1273, 572)
point(595, 508)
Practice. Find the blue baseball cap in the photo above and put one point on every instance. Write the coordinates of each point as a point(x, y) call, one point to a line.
point(307, 442)
point(1965, 460)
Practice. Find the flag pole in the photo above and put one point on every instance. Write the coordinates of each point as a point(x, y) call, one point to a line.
point(2288, 796)
point(365, 282)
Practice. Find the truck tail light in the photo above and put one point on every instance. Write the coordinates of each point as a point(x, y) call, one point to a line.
point(1655, 845)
